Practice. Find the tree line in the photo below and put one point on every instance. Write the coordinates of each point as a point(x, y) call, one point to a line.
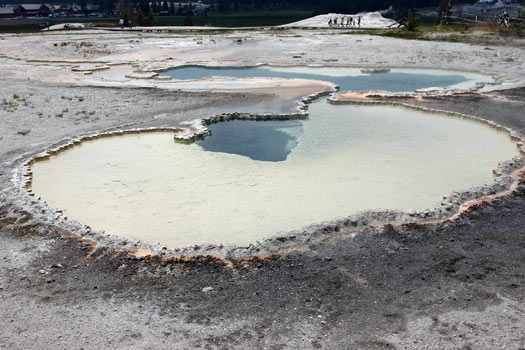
point(164, 7)
point(320, 6)
point(232, 6)
point(144, 12)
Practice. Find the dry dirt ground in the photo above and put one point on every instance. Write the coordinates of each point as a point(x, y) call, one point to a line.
point(453, 285)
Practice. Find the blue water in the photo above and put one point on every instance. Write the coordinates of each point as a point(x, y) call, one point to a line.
point(260, 140)
point(273, 141)
point(388, 81)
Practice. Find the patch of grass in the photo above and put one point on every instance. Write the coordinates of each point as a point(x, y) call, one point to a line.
point(9, 106)
point(401, 34)
point(81, 115)
point(23, 132)
point(450, 28)
point(15, 97)
point(457, 33)
point(86, 44)
point(488, 27)
point(84, 115)
point(60, 115)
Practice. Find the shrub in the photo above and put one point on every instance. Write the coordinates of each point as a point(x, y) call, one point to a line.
point(151, 17)
point(188, 19)
point(412, 21)
point(140, 17)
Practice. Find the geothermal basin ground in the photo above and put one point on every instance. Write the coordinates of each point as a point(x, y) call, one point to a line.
point(265, 177)
point(450, 277)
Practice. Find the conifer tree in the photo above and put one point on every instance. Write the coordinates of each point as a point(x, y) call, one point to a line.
point(140, 17)
point(444, 12)
point(188, 19)
point(412, 21)
point(151, 17)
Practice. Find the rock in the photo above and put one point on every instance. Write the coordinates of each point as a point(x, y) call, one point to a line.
point(375, 70)
point(207, 289)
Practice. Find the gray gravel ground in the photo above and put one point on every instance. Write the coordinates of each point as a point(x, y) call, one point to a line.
point(458, 285)
point(505, 107)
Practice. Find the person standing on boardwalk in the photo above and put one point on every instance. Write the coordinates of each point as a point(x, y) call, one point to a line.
point(121, 23)
point(359, 21)
point(130, 24)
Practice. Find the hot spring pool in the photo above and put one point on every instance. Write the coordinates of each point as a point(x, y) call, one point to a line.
point(348, 79)
point(259, 178)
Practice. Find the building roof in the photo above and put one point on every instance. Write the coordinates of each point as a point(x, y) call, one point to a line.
point(7, 9)
point(91, 7)
point(75, 8)
point(33, 7)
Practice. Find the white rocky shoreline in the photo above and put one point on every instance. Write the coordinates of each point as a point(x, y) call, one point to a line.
point(506, 181)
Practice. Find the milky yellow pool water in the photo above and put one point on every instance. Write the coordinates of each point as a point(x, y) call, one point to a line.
point(346, 159)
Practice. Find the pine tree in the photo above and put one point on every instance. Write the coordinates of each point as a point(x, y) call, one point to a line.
point(412, 21)
point(151, 17)
point(125, 15)
point(144, 6)
point(188, 19)
point(140, 17)
point(154, 7)
point(444, 11)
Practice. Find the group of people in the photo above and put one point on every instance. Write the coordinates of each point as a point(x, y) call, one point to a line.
point(347, 21)
point(121, 22)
